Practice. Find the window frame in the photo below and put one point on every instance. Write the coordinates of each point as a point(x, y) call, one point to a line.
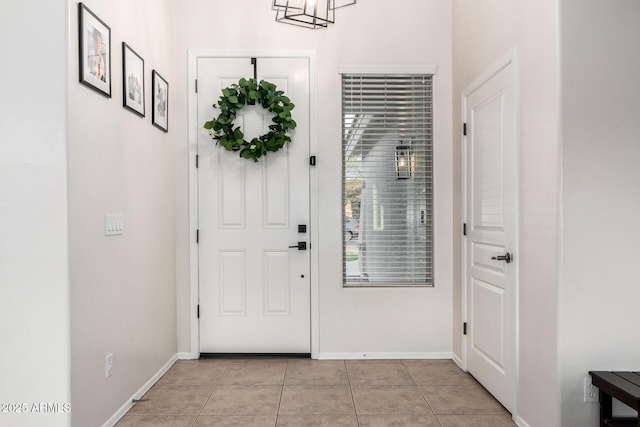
point(393, 71)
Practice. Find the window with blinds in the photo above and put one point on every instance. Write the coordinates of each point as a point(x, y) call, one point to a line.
point(387, 180)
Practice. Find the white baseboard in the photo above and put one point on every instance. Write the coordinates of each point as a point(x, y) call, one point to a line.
point(457, 360)
point(137, 395)
point(188, 356)
point(374, 356)
point(520, 422)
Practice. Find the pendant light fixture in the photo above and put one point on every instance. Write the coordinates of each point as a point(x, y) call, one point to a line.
point(342, 3)
point(308, 13)
point(404, 161)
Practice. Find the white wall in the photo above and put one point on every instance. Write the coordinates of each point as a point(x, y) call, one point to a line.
point(599, 286)
point(351, 320)
point(34, 274)
point(122, 287)
point(483, 33)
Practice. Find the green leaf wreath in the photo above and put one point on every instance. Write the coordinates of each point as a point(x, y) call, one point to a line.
point(236, 96)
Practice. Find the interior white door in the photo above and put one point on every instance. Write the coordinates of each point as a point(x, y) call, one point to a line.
point(491, 218)
point(254, 290)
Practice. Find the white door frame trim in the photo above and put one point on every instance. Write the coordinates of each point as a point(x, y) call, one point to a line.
point(510, 58)
point(193, 127)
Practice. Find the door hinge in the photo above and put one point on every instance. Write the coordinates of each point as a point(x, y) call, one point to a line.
point(464, 229)
point(196, 85)
point(197, 161)
point(198, 236)
point(198, 313)
point(464, 328)
point(312, 160)
point(464, 129)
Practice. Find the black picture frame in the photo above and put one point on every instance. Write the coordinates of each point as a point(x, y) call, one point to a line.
point(160, 101)
point(94, 51)
point(133, 95)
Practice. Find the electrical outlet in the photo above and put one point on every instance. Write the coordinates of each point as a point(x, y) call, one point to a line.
point(590, 391)
point(108, 365)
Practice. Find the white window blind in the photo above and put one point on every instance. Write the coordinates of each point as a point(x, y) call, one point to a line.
point(387, 180)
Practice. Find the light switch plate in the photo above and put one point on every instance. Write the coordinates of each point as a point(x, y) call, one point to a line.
point(108, 365)
point(113, 224)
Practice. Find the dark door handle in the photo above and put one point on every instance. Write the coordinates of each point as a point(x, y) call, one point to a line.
point(506, 258)
point(302, 246)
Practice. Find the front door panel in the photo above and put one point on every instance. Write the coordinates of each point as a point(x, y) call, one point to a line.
point(254, 288)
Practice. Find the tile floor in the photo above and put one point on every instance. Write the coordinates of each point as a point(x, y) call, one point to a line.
point(305, 393)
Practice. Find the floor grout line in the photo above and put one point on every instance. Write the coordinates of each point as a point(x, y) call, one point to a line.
point(353, 399)
point(215, 385)
point(284, 378)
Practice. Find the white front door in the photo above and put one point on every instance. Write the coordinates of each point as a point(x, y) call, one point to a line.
point(491, 220)
point(254, 290)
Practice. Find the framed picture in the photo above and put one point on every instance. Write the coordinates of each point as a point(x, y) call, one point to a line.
point(94, 51)
point(160, 113)
point(132, 80)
